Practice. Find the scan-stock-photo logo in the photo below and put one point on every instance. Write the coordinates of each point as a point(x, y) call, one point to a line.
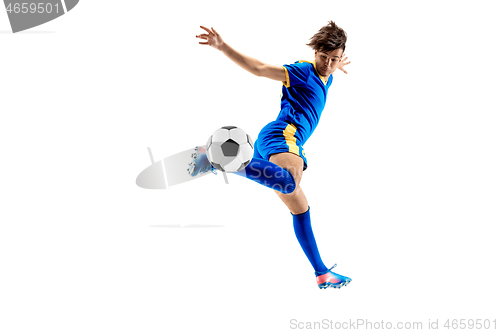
point(25, 14)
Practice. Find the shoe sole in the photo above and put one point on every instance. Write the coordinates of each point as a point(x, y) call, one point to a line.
point(335, 286)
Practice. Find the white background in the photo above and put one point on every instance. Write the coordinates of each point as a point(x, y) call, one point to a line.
point(403, 178)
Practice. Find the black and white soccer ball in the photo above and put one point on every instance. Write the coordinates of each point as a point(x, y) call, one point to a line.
point(229, 149)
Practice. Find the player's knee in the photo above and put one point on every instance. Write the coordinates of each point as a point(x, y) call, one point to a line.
point(287, 189)
point(289, 185)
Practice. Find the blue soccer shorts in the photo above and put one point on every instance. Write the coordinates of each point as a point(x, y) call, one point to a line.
point(278, 137)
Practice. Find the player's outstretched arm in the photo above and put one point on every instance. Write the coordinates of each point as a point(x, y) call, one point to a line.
point(250, 64)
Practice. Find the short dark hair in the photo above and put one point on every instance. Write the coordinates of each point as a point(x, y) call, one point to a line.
point(328, 38)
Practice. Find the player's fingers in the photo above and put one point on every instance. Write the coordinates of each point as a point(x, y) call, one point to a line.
point(206, 29)
point(204, 43)
point(215, 32)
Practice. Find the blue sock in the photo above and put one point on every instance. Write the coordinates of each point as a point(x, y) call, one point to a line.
point(269, 174)
point(305, 236)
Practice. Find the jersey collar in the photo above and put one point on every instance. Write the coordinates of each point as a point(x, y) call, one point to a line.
point(325, 80)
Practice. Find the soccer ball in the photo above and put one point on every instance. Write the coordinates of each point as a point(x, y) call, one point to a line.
point(229, 149)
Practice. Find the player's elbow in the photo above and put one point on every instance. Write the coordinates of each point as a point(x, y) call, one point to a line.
point(260, 70)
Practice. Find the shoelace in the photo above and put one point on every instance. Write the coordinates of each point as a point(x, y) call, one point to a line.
point(321, 273)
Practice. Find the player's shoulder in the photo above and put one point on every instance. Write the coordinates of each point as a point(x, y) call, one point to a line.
point(303, 65)
point(304, 62)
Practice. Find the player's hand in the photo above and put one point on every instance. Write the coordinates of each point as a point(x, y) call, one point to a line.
point(212, 38)
point(343, 62)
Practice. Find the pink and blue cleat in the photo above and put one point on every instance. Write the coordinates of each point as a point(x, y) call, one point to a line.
point(200, 163)
point(329, 279)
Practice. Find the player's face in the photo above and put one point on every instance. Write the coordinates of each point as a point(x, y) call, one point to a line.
point(327, 62)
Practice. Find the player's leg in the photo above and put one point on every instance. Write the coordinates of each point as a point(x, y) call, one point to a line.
point(259, 170)
point(295, 201)
point(267, 173)
point(299, 208)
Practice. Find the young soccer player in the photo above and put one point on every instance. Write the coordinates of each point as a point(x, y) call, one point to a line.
point(279, 145)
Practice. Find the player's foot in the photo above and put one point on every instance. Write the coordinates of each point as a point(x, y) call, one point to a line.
point(329, 279)
point(200, 163)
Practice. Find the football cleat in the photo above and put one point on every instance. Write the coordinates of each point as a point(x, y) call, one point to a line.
point(200, 163)
point(329, 279)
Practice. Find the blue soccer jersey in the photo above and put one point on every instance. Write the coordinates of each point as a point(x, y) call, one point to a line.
point(303, 97)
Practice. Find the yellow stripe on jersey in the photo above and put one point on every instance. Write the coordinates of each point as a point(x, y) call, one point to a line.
point(291, 140)
point(287, 82)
